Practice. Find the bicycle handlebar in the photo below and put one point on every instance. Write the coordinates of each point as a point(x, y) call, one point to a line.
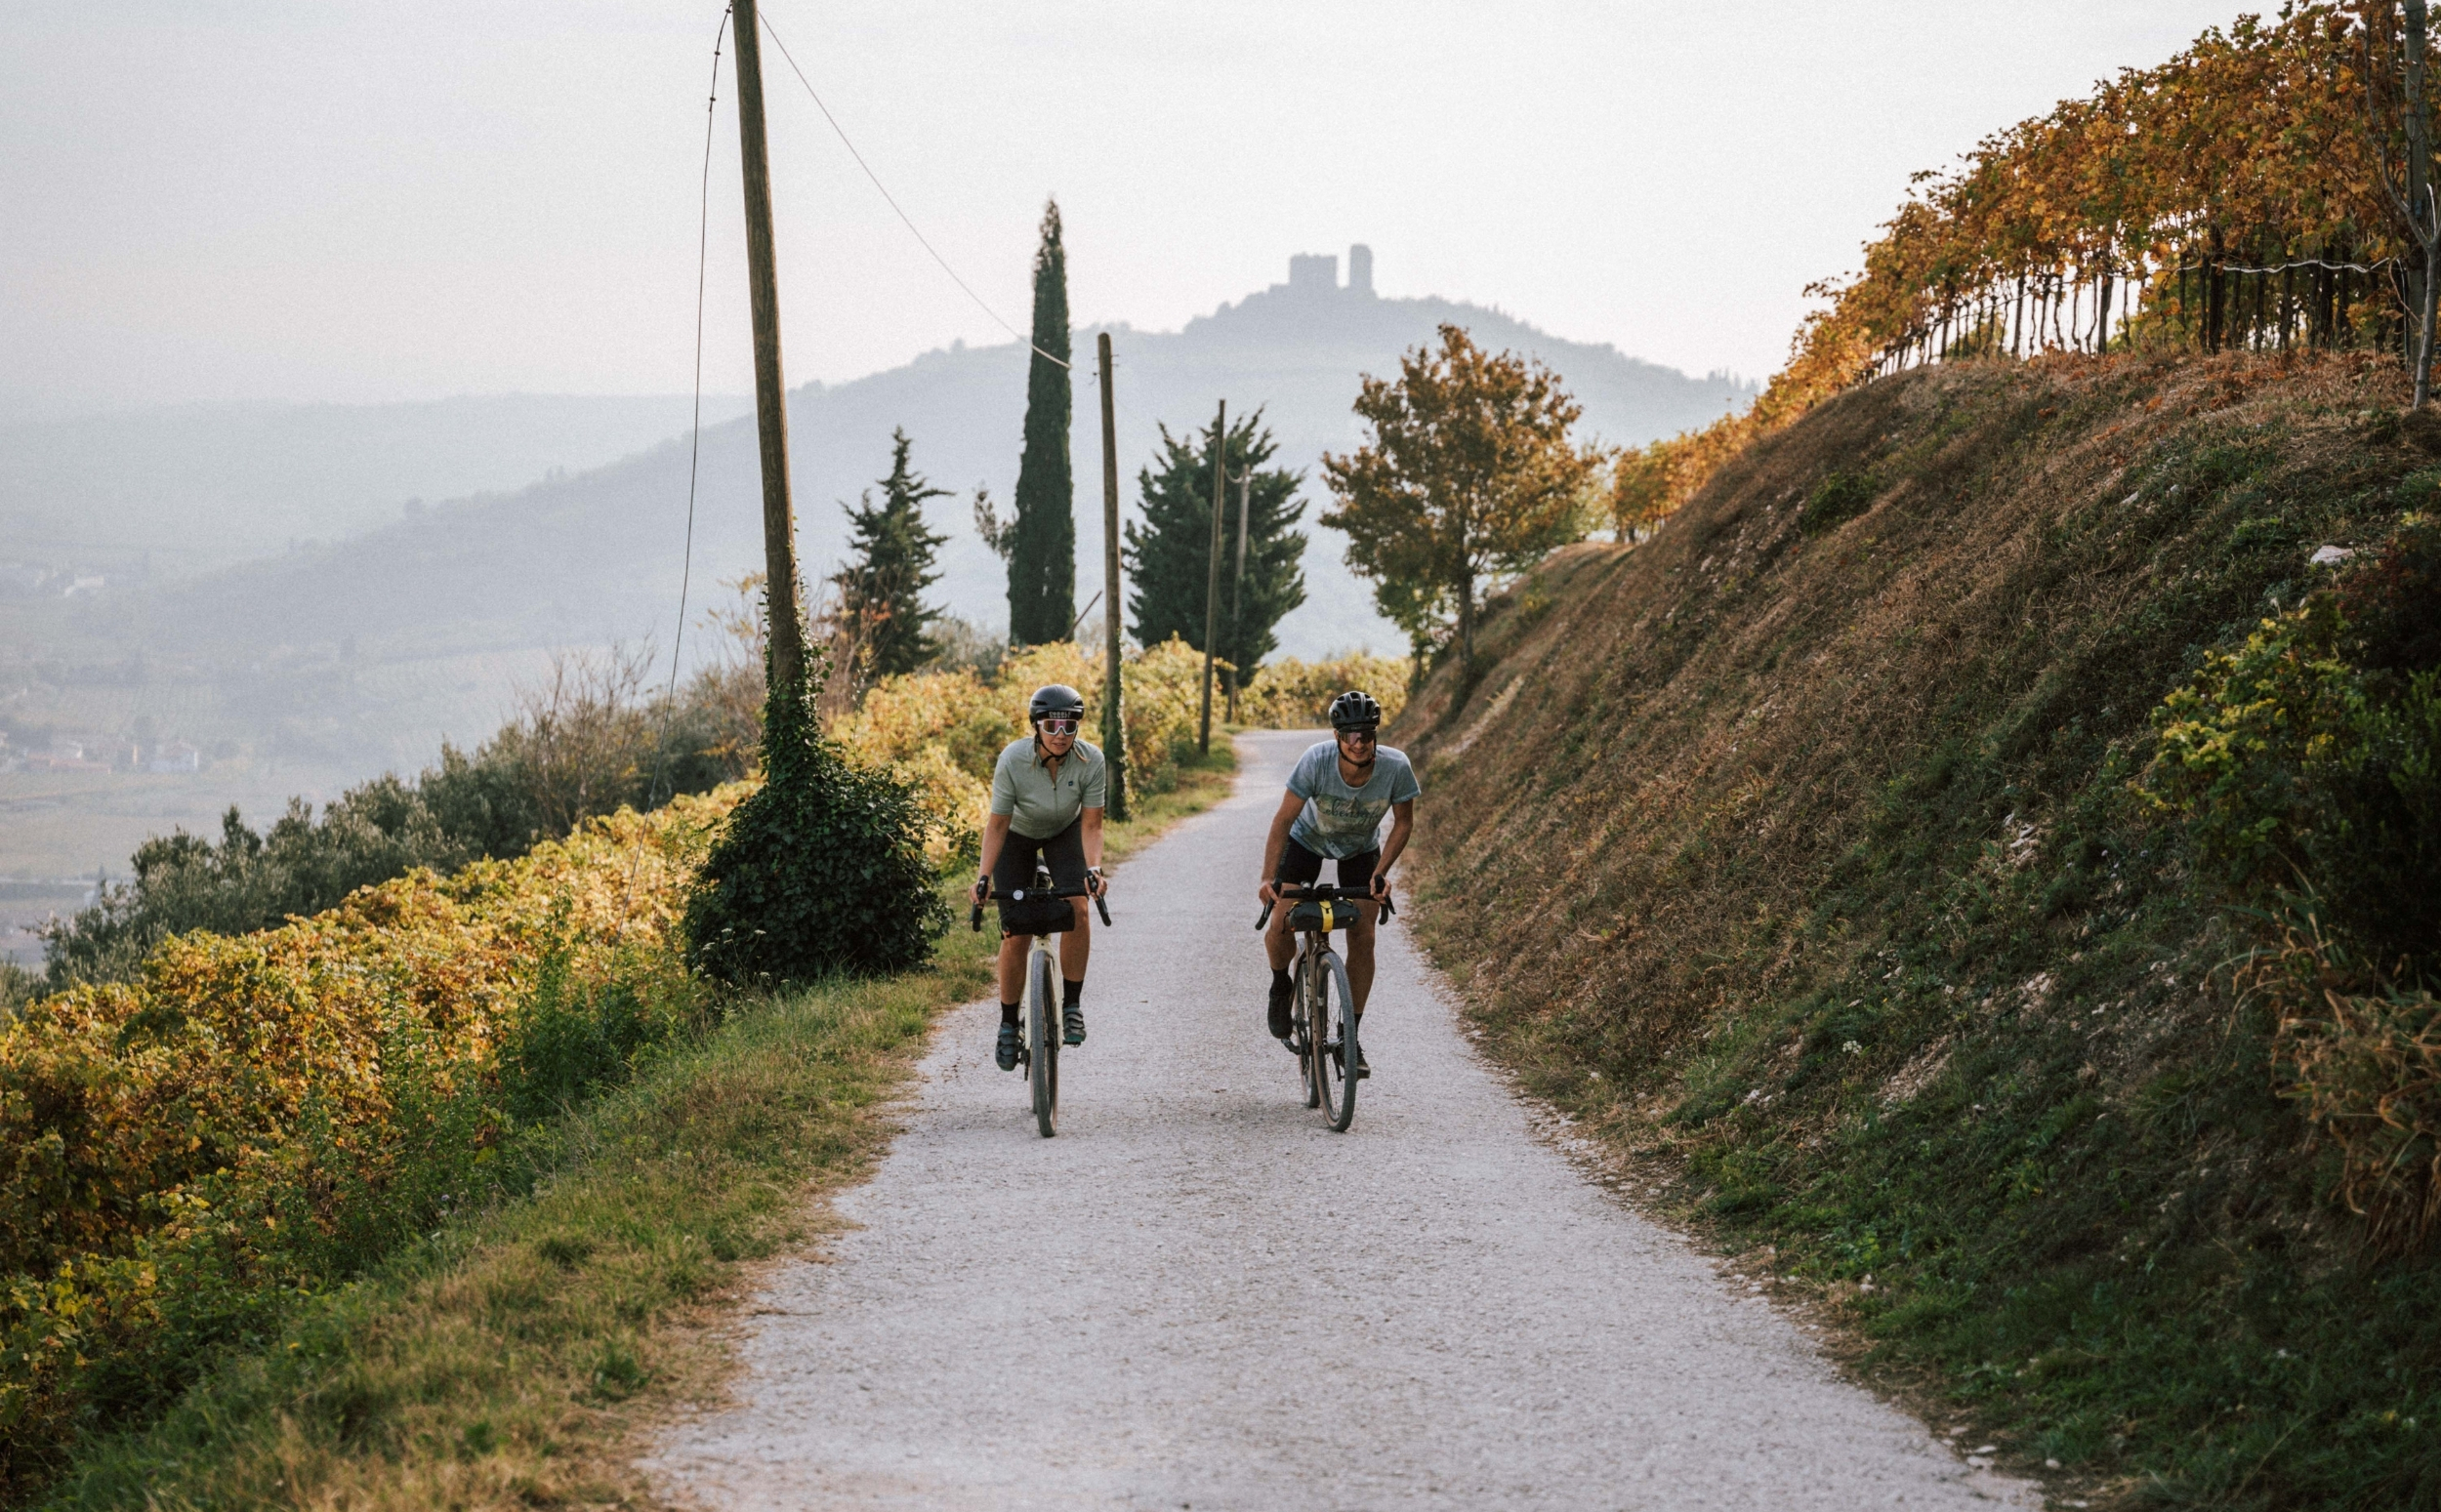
point(1305, 892)
point(975, 921)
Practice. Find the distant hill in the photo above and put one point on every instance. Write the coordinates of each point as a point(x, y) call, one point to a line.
point(596, 555)
point(199, 486)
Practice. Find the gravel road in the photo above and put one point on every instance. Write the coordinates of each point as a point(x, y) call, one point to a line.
point(1197, 1297)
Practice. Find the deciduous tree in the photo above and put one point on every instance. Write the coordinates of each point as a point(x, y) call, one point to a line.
point(1469, 476)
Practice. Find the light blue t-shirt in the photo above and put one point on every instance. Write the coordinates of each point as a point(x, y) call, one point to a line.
point(1340, 821)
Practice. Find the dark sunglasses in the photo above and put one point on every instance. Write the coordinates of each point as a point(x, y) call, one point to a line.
point(1059, 726)
point(1367, 737)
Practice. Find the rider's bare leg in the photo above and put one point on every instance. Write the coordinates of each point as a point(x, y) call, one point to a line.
point(1077, 945)
point(1360, 956)
point(1012, 949)
point(1276, 944)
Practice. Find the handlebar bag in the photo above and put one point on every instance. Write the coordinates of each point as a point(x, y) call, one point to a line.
point(1036, 916)
point(1324, 913)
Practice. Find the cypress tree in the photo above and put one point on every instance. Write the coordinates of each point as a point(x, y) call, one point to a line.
point(1042, 555)
point(881, 587)
point(1169, 553)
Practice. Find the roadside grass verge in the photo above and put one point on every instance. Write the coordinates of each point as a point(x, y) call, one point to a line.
point(510, 1357)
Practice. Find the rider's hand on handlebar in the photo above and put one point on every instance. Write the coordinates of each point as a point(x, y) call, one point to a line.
point(983, 891)
point(1096, 885)
point(1380, 885)
point(1268, 894)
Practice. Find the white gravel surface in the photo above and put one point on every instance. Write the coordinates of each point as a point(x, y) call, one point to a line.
point(1198, 1297)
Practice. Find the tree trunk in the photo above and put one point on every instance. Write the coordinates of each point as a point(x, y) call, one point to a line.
point(1466, 627)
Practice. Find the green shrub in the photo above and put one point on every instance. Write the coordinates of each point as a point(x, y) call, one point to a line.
point(1837, 499)
point(585, 747)
point(820, 871)
point(2298, 769)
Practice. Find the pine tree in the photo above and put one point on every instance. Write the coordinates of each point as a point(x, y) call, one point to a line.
point(1169, 553)
point(881, 587)
point(1042, 555)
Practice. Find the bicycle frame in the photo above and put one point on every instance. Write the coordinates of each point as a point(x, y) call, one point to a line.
point(1326, 1063)
point(1038, 1048)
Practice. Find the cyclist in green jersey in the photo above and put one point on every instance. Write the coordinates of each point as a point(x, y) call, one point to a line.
point(1336, 796)
point(1049, 789)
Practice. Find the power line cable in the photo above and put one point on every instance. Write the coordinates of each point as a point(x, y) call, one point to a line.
point(694, 447)
point(892, 201)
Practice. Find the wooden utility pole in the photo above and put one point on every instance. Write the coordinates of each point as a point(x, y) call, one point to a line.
point(779, 524)
point(1237, 588)
point(1212, 576)
point(1114, 717)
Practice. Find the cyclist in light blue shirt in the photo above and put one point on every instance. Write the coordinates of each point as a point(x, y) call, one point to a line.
point(1338, 794)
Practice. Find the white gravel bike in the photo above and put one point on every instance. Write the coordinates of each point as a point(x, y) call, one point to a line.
point(1322, 1017)
point(1038, 1048)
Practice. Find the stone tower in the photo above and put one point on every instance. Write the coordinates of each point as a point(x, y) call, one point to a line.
point(1361, 271)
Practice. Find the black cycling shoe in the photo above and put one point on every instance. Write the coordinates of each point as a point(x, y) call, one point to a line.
point(1283, 996)
point(1362, 1070)
point(1072, 1026)
point(1006, 1051)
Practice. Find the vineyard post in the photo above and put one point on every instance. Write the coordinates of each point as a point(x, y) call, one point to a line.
point(1113, 715)
point(780, 525)
point(2420, 205)
point(1212, 573)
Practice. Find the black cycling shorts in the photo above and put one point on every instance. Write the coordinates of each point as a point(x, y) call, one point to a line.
point(1300, 865)
point(1063, 853)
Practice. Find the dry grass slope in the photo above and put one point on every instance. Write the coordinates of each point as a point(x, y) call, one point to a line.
point(1794, 851)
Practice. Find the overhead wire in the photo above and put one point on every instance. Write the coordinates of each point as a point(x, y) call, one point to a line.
point(694, 445)
point(892, 201)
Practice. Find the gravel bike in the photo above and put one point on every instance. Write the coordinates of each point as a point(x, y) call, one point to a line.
point(1322, 1017)
point(1038, 1050)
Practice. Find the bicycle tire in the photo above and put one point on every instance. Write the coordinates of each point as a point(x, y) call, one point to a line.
point(1337, 1074)
point(1043, 1053)
point(1302, 1026)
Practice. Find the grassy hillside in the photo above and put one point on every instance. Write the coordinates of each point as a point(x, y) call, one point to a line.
point(1804, 854)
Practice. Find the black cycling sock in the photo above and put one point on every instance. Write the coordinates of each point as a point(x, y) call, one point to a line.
point(1070, 992)
point(1279, 976)
point(1008, 1013)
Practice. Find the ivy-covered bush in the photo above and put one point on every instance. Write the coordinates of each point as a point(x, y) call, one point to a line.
point(820, 871)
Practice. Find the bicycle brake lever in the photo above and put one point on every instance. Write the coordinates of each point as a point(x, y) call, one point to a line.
point(975, 920)
point(1102, 908)
point(1265, 920)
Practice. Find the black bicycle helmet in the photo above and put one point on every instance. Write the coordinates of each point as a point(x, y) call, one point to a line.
point(1055, 701)
point(1353, 711)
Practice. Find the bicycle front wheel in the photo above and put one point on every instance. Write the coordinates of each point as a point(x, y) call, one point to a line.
point(1306, 1031)
point(1042, 1047)
point(1334, 1066)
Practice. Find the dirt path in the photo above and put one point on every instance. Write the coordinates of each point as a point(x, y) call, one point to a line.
point(1198, 1297)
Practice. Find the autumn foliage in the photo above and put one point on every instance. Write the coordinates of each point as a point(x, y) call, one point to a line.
point(2232, 196)
point(257, 1117)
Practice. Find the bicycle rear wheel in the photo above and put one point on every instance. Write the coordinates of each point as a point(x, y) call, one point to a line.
point(1043, 1049)
point(1335, 1017)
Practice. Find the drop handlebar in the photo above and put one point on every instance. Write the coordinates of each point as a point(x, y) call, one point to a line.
point(975, 921)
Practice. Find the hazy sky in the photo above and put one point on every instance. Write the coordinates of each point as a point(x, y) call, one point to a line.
point(336, 199)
